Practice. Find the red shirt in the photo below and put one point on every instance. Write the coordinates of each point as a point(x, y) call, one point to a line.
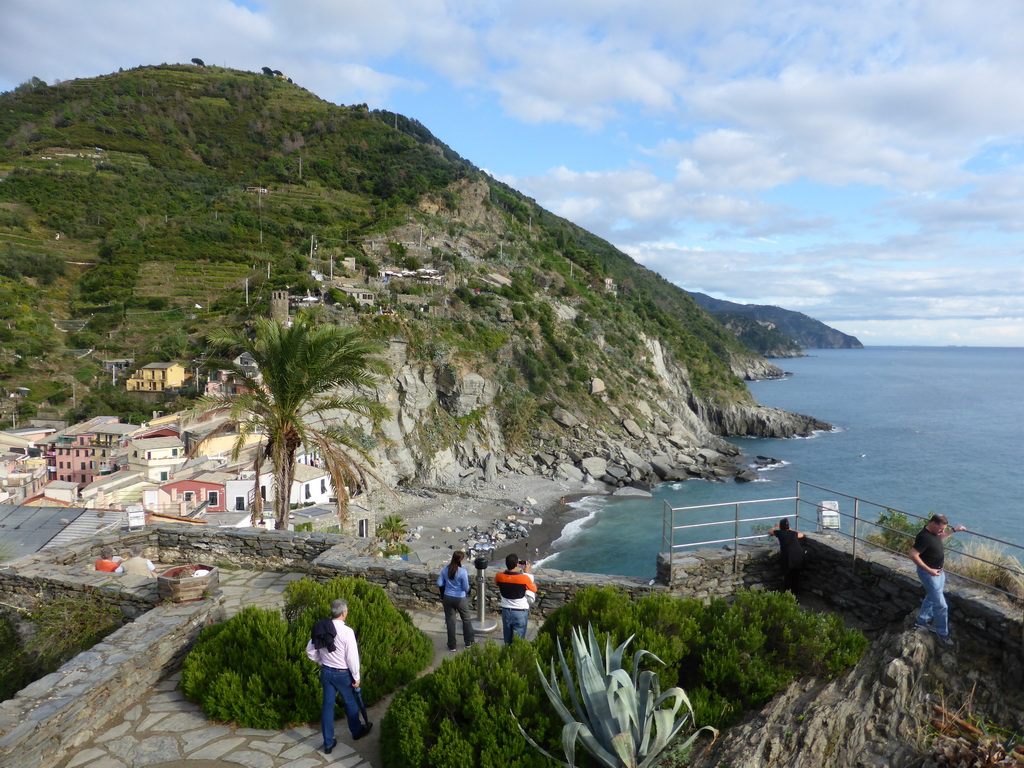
point(107, 566)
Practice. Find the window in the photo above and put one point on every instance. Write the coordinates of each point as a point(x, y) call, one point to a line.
point(308, 492)
point(323, 485)
point(214, 498)
point(364, 528)
point(163, 475)
point(240, 503)
point(189, 495)
point(81, 465)
point(263, 492)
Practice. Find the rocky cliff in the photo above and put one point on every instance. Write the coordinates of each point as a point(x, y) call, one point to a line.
point(446, 430)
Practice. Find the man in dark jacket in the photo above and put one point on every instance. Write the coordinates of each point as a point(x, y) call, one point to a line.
point(791, 554)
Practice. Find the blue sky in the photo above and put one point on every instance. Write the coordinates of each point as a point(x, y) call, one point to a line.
point(860, 162)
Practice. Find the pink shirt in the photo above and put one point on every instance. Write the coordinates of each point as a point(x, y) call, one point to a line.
point(345, 654)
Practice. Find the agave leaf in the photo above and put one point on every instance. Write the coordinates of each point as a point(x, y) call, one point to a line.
point(554, 696)
point(679, 697)
point(615, 657)
point(621, 717)
point(625, 748)
point(567, 676)
point(594, 693)
point(623, 702)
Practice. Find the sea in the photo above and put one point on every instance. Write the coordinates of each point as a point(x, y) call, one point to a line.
point(916, 429)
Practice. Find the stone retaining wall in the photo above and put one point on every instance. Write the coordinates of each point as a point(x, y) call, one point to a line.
point(46, 721)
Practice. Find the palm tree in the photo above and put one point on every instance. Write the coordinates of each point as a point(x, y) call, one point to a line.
point(304, 368)
point(391, 529)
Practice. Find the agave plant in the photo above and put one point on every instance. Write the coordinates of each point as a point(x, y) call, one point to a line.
point(623, 721)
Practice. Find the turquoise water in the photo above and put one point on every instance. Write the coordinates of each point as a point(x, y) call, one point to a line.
point(920, 429)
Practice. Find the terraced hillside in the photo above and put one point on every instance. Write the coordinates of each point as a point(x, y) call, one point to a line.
point(129, 199)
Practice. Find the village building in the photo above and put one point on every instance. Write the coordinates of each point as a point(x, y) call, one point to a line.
point(157, 377)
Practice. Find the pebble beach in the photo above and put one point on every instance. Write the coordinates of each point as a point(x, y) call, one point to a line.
point(441, 520)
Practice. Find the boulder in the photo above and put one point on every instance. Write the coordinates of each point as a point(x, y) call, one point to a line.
point(666, 471)
point(569, 472)
point(564, 418)
point(632, 428)
point(629, 490)
point(595, 466)
point(634, 459)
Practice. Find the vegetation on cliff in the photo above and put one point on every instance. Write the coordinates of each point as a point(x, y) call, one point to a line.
point(139, 208)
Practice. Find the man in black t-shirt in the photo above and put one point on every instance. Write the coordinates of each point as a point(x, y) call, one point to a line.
point(929, 555)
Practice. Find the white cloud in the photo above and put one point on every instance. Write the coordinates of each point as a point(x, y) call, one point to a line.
point(853, 161)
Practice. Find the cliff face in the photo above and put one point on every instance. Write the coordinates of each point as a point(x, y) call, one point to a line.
point(446, 430)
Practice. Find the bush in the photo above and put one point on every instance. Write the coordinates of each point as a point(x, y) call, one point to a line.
point(253, 671)
point(895, 531)
point(728, 657)
point(461, 714)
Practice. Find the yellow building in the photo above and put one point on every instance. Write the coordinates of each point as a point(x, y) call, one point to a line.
point(157, 377)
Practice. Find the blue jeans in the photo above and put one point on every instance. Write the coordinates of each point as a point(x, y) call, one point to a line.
point(513, 622)
point(335, 681)
point(934, 608)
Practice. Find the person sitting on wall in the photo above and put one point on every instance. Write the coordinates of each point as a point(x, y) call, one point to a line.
point(137, 565)
point(108, 562)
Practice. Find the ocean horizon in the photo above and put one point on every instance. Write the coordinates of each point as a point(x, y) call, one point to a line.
point(920, 429)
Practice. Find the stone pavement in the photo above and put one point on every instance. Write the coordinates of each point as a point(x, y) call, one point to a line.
point(165, 730)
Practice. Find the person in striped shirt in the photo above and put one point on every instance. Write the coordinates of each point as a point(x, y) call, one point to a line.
point(517, 590)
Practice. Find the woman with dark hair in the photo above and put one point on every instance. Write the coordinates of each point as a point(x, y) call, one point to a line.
point(791, 554)
point(453, 582)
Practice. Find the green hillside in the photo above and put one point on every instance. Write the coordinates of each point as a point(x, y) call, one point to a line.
point(139, 208)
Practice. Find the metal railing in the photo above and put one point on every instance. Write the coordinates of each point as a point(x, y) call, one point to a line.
point(823, 517)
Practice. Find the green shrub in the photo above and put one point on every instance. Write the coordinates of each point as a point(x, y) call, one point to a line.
point(895, 531)
point(461, 714)
point(392, 651)
point(253, 671)
point(729, 657)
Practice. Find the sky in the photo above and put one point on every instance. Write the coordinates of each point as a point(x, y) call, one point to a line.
point(861, 162)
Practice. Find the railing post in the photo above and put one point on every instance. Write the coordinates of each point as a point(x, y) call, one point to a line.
point(856, 516)
point(665, 536)
point(736, 539)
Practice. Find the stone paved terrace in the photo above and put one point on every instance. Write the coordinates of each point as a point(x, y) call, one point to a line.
point(165, 729)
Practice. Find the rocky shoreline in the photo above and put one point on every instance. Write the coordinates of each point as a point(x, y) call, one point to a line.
point(527, 513)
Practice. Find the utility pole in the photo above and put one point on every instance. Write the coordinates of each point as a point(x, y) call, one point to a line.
point(247, 290)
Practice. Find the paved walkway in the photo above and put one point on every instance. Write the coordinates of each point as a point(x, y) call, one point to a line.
point(166, 730)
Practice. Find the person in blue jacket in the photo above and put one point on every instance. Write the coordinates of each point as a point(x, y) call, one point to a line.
point(453, 581)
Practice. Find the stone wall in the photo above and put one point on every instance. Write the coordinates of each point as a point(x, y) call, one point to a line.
point(46, 721)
